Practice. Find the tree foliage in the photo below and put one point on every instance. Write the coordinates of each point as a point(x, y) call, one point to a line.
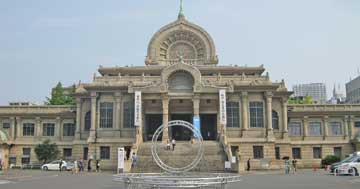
point(62, 96)
point(46, 151)
point(300, 100)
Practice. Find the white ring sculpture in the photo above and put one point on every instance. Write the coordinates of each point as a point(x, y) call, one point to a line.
point(186, 168)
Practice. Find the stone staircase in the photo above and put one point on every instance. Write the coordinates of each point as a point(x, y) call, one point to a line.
point(212, 161)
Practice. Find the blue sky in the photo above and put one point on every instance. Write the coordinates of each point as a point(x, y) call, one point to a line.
point(43, 42)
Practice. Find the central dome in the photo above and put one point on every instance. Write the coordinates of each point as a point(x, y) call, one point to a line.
point(181, 40)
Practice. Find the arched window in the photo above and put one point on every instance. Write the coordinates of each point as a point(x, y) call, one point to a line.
point(87, 121)
point(181, 81)
point(275, 120)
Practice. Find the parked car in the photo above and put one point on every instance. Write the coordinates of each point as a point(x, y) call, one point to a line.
point(349, 168)
point(337, 164)
point(55, 166)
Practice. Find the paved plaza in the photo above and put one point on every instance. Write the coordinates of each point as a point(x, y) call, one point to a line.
point(54, 180)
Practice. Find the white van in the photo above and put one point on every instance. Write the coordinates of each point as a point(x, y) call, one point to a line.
point(351, 167)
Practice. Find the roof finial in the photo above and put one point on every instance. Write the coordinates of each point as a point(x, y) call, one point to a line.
point(181, 12)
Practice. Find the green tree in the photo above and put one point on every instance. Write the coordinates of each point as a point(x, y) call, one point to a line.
point(307, 100)
point(46, 151)
point(62, 96)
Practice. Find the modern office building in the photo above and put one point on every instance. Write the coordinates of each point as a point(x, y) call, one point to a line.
point(353, 91)
point(317, 91)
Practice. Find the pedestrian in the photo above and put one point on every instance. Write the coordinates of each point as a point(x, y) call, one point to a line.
point(167, 144)
point(1, 166)
point(248, 165)
point(81, 165)
point(287, 166)
point(60, 164)
point(294, 162)
point(97, 165)
point(133, 161)
point(173, 142)
point(89, 165)
point(75, 168)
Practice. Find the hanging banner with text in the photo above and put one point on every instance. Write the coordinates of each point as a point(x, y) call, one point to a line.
point(196, 123)
point(222, 105)
point(121, 152)
point(137, 113)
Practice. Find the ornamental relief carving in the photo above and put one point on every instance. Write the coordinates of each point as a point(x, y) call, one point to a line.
point(184, 43)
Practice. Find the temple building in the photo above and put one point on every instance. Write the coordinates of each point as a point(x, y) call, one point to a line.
point(240, 109)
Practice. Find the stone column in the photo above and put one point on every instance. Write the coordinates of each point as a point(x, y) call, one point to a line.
point(38, 127)
point(305, 126)
point(18, 127)
point(59, 128)
point(196, 107)
point(78, 118)
point(93, 117)
point(165, 105)
point(13, 126)
point(325, 126)
point(346, 127)
point(118, 100)
point(285, 118)
point(244, 110)
point(351, 127)
point(269, 128)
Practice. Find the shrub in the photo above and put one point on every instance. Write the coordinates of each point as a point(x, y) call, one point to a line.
point(330, 159)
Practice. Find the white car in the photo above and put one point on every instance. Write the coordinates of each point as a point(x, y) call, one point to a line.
point(55, 166)
point(350, 168)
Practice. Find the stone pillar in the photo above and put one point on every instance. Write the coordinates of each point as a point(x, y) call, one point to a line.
point(244, 110)
point(165, 105)
point(18, 127)
point(78, 118)
point(196, 107)
point(118, 100)
point(305, 126)
point(351, 126)
point(325, 126)
point(13, 126)
point(285, 118)
point(38, 127)
point(346, 127)
point(93, 117)
point(269, 128)
point(60, 128)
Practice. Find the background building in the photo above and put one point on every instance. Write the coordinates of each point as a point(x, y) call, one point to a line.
point(317, 91)
point(353, 91)
point(337, 96)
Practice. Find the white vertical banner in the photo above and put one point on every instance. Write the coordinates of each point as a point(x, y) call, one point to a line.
point(121, 156)
point(222, 104)
point(137, 113)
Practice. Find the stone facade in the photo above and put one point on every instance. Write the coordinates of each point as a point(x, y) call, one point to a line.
point(181, 79)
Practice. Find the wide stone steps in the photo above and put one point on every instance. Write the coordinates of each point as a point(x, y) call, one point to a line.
point(185, 152)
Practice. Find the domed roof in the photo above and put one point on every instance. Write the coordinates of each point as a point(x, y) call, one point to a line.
point(181, 39)
point(80, 90)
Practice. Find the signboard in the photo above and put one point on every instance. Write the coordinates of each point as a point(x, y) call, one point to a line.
point(222, 105)
point(196, 122)
point(233, 159)
point(227, 165)
point(121, 156)
point(137, 113)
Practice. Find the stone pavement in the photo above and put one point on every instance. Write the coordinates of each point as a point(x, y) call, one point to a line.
point(252, 180)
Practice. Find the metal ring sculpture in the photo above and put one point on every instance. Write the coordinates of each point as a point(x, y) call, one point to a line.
point(186, 168)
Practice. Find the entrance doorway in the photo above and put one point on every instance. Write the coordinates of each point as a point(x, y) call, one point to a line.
point(152, 122)
point(181, 133)
point(208, 126)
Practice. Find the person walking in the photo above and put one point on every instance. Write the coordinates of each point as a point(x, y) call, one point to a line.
point(97, 166)
point(294, 166)
point(173, 142)
point(248, 165)
point(89, 165)
point(287, 166)
point(133, 161)
point(75, 168)
point(60, 164)
point(81, 165)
